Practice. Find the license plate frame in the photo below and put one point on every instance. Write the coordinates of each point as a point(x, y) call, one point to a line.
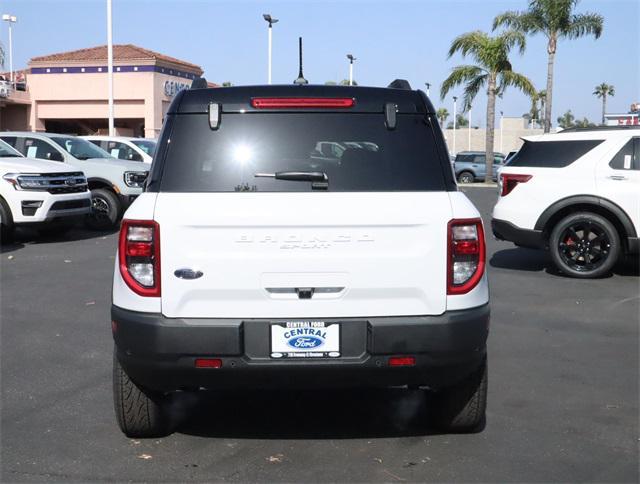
point(305, 339)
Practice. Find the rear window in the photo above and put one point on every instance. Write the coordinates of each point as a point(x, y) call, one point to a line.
point(551, 154)
point(356, 151)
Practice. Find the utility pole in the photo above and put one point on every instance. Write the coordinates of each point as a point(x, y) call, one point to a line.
point(351, 59)
point(110, 66)
point(455, 100)
point(12, 19)
point(469, 121)
point(271, 21)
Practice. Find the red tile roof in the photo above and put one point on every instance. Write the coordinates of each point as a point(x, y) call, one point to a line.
point(121, 52)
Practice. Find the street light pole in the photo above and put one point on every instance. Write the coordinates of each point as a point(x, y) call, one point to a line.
point(271, 21)
point(351, 59)
point(110, 67)
point(469, 121)
point(428, 86)
point(501, 132)
point(12, 19)
point(455, 99)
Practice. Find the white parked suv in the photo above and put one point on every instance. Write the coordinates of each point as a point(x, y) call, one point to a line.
point(125, 148)
point(38, 193)
point(575, 193)
point(114, 183)
point(251, 262)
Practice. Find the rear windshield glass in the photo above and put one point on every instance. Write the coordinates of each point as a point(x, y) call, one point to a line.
point(356, 151)
point(551, 154)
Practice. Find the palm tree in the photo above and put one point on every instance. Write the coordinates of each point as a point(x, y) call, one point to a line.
point(603, 90)
point(492, 70)
point(534, 112)
point(442, 114)
point(566, 120)
point(542, 97)
point(1, 56)
point(556, 20)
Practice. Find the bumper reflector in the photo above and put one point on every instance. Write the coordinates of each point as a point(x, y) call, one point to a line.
point(208, 363)
point(402, 361)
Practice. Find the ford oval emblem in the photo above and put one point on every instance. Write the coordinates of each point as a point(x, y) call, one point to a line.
point(305, 342)
point(187, 274)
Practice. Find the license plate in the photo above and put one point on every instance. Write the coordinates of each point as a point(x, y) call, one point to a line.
point(305, 339)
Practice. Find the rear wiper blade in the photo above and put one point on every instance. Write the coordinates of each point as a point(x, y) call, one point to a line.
point(318, 179)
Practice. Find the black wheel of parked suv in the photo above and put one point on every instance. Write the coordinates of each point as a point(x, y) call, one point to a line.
point(466, 177)
point(6, 223)
point(105, 209)
point(462, 408)
point(584, 245)
point(139, 413)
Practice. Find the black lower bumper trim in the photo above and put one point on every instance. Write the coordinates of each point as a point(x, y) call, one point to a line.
point(504, 230)
point(159, 353)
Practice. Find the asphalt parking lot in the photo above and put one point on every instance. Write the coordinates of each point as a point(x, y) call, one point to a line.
point(563, 401)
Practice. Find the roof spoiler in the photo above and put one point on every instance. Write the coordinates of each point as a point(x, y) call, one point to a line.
point(199, 83)
point(400, 84)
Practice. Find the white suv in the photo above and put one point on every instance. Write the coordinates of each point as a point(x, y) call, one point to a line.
point(38, 193)
point(114, 183)
point(250, 261)
point(125, 148)
point(576, 193)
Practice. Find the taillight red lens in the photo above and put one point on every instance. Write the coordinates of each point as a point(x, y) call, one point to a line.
point(139, 256)
point(509, 182)
point(465, 255)
point(301, 102)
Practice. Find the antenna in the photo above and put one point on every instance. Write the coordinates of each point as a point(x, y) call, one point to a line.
point(301, 81)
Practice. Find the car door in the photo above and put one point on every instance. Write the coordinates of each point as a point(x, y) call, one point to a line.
point(618, 179)
point(479, 166)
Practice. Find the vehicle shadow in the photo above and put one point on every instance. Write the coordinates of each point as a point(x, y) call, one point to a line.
point(305, 414)
point(26, 236)
point(521, 259)
point(532, 260)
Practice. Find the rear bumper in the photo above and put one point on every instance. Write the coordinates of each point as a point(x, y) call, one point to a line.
point(159, 353)
point(504, 230)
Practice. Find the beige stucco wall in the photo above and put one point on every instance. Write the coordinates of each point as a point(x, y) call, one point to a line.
point(505, 140)
point(137, 95)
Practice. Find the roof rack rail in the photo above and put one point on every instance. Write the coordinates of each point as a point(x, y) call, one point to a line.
point(199, 83)
point(400, 84)
point(577, 129)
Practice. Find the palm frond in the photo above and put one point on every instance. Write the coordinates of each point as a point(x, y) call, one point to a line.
point(514, 79)
point(513, 38)
point(468, 43)
point(460, 75)
point(584, 24)
point(471, 90)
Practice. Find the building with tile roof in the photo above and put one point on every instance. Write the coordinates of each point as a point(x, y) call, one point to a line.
point(66, 92)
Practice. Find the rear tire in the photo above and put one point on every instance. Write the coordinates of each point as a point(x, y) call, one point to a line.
point(466, 177)
point(105, 209)
point(462, 408)
point(585, 245)
point(6, 223)
point(140, 413)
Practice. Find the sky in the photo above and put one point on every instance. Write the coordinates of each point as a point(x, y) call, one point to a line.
point(390, 39)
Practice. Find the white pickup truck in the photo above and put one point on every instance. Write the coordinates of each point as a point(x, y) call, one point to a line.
point(42, 194)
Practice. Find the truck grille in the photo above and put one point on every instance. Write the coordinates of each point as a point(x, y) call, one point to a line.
point(54, 183)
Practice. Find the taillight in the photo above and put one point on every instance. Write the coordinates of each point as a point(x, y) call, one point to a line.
point(465, 255)
point(301, 102)
point(139, 256)
point(508, 181)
